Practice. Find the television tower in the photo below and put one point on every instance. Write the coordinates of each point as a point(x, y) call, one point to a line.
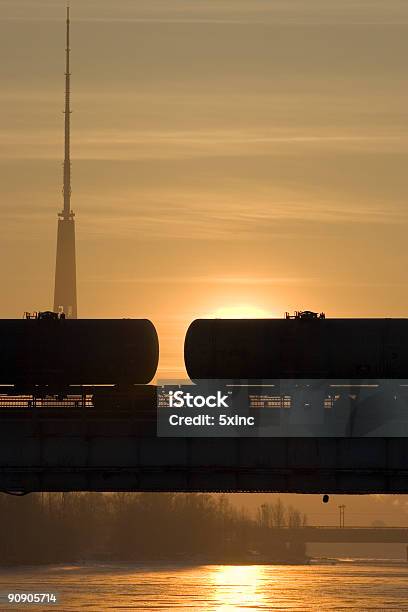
point(65, 295)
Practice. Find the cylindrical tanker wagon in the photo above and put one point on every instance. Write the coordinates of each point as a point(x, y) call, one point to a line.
point(297, 347)
point(58, 351)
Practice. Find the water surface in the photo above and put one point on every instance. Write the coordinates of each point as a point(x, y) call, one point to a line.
point(343, 586)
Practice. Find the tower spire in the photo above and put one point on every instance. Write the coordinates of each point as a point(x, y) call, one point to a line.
point(65, 296)
point(67, 212)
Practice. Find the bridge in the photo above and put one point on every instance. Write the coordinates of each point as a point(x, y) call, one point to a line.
point(313, 534)
point(109, 443)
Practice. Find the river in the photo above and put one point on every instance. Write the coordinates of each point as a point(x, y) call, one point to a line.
point(356, 585)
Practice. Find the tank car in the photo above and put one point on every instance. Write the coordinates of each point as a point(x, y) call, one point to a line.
point(297, 347)
point(56, 351)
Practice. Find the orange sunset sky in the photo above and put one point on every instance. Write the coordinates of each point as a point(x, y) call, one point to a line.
point(229, 158)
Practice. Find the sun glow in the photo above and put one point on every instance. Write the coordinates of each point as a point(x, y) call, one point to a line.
point(240, 311)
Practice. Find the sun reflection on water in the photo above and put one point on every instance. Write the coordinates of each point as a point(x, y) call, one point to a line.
point(238, 587)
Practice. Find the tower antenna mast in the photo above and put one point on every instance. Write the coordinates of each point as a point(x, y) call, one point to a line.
point(67, 212)
point(65, 293)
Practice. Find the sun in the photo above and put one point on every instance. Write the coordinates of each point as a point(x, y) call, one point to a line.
point(240, 311)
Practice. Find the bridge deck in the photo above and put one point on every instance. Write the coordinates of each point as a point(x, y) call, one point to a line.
point(115, 448)
point(97, 459)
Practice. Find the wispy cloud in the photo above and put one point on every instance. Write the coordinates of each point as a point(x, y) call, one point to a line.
point(203, 280)
point(186, 144)
point(241, 216)
point(225, 12)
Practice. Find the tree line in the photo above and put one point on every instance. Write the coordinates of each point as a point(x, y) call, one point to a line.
point(140, 527)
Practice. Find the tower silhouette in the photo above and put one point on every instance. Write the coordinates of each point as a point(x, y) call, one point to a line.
point(65, 294)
